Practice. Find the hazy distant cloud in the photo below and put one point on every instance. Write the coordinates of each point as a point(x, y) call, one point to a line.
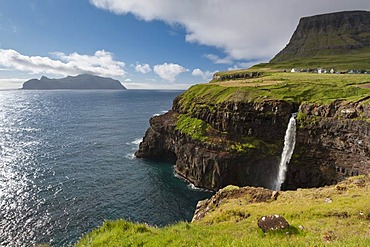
point(169, 71)
point(143, 68)
point(243, 29)
point(11, 83)
point(217, 60)
point(101, 63)
point(245, 65)
point(206, 75)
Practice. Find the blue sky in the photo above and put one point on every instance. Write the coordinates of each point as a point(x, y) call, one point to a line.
point(147, 43)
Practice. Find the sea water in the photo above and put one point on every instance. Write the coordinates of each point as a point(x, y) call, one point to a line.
point(67, 164)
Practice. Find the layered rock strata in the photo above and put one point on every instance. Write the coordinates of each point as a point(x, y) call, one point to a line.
point(243, 142)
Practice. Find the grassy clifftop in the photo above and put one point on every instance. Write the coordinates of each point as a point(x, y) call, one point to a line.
point(339, 215)
point(292, 87)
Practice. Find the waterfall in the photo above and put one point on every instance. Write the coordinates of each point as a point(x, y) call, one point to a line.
point(289, 143)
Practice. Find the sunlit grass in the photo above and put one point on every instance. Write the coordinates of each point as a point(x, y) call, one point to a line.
point(292, 87)
point(344, 220)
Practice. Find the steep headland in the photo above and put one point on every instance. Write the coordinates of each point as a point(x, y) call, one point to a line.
point(83, 81)
point(328, 34)
point(336, 40)
point(232, 132)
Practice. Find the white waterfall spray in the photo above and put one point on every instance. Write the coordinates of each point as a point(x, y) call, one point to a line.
point(286, 155)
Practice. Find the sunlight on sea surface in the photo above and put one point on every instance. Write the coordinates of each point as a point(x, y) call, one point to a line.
point(21, 208)
point(67, 164)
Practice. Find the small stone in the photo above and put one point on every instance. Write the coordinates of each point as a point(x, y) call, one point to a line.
point(328, 200)
point(272, 223)
point(301, 228)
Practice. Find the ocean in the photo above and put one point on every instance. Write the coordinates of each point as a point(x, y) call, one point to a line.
point(67, 164)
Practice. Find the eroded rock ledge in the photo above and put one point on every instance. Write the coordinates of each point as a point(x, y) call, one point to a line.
point(242, 141)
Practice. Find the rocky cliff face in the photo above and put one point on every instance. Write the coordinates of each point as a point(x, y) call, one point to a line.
point(245, 139)
point(335, 138)
point(327, 34)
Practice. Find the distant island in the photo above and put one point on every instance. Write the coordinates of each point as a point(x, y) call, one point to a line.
point(79, 82)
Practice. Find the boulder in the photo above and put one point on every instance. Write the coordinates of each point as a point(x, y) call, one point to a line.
point(272, 223)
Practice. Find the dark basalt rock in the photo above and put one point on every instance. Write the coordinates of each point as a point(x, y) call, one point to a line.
point(330, 144)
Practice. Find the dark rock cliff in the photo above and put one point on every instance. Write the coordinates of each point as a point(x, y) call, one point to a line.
point(335, 138)
point(334, 33)
point(333, 141)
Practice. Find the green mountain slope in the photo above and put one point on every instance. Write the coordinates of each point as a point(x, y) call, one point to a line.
point(340, 40)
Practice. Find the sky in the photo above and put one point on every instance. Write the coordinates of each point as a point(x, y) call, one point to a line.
point(147, 44)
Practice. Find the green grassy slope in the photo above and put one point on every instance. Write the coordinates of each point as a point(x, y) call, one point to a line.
point(344, 220)
point(335, 40)
point(294, 87)
point(357, 59)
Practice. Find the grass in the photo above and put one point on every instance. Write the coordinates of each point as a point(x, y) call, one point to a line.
point(201, 131)
point(195, 128)
point(339, 59)
point(292, 87)
point(345, 221)
point(337, 62)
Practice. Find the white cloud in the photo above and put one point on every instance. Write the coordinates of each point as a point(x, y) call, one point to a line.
point(169, 71)
point(167, 86)
point(243, 29)
point(143, 68)
point(206, 75)
point(217, 60)
point(245, 65)
point(101, 63)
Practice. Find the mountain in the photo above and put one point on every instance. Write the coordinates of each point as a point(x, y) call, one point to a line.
point(341, 39)
point(83, 81)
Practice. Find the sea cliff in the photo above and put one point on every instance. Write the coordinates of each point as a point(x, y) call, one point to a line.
point(218, 134)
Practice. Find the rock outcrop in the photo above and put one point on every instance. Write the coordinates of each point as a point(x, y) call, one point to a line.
point(80, 82)
point(250, 195)
point(214, 164)
point(244, 140)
